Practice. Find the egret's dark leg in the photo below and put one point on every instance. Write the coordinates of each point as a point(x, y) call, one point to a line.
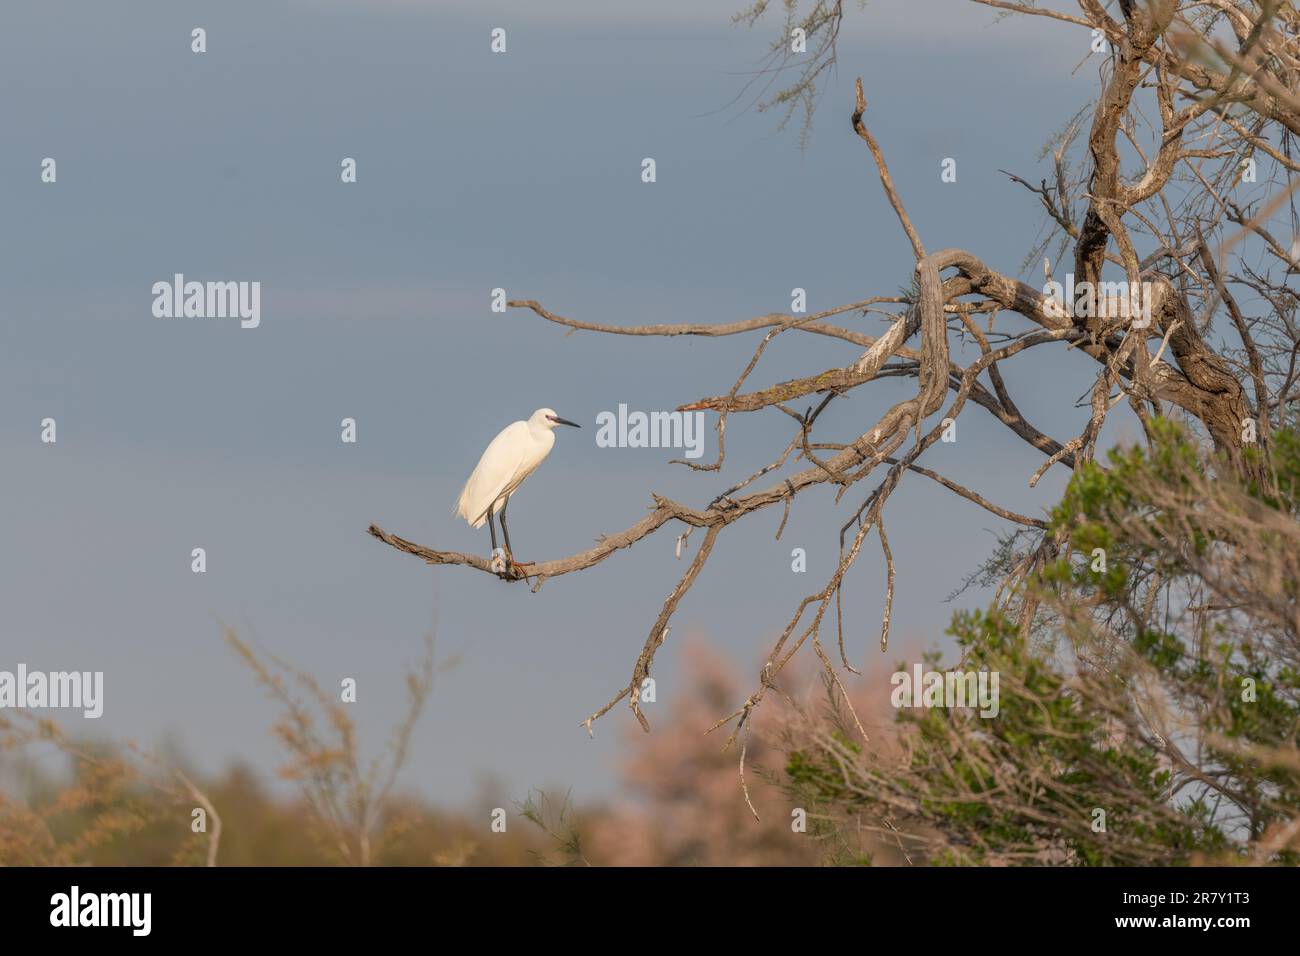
point(510, 552)
point(492, 530)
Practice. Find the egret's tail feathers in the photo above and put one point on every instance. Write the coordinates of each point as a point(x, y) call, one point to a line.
point(465, 507)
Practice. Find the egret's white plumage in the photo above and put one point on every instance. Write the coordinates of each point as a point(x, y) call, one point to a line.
point(510, 458)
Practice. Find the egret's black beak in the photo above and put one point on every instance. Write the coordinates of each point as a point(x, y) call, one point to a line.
point(564, 421)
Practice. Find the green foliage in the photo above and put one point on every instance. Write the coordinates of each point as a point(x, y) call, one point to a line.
point(1191, 617)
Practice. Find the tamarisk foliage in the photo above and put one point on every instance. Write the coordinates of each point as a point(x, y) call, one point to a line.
point(1149, 715)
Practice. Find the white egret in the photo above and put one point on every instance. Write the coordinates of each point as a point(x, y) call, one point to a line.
point(510, 458)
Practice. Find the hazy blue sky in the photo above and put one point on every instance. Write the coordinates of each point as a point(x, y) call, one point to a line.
point(475, 171)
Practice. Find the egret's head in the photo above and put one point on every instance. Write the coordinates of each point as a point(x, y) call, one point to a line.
point(546, 418)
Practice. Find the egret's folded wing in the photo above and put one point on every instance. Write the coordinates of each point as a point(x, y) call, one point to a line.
point(495, 474)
